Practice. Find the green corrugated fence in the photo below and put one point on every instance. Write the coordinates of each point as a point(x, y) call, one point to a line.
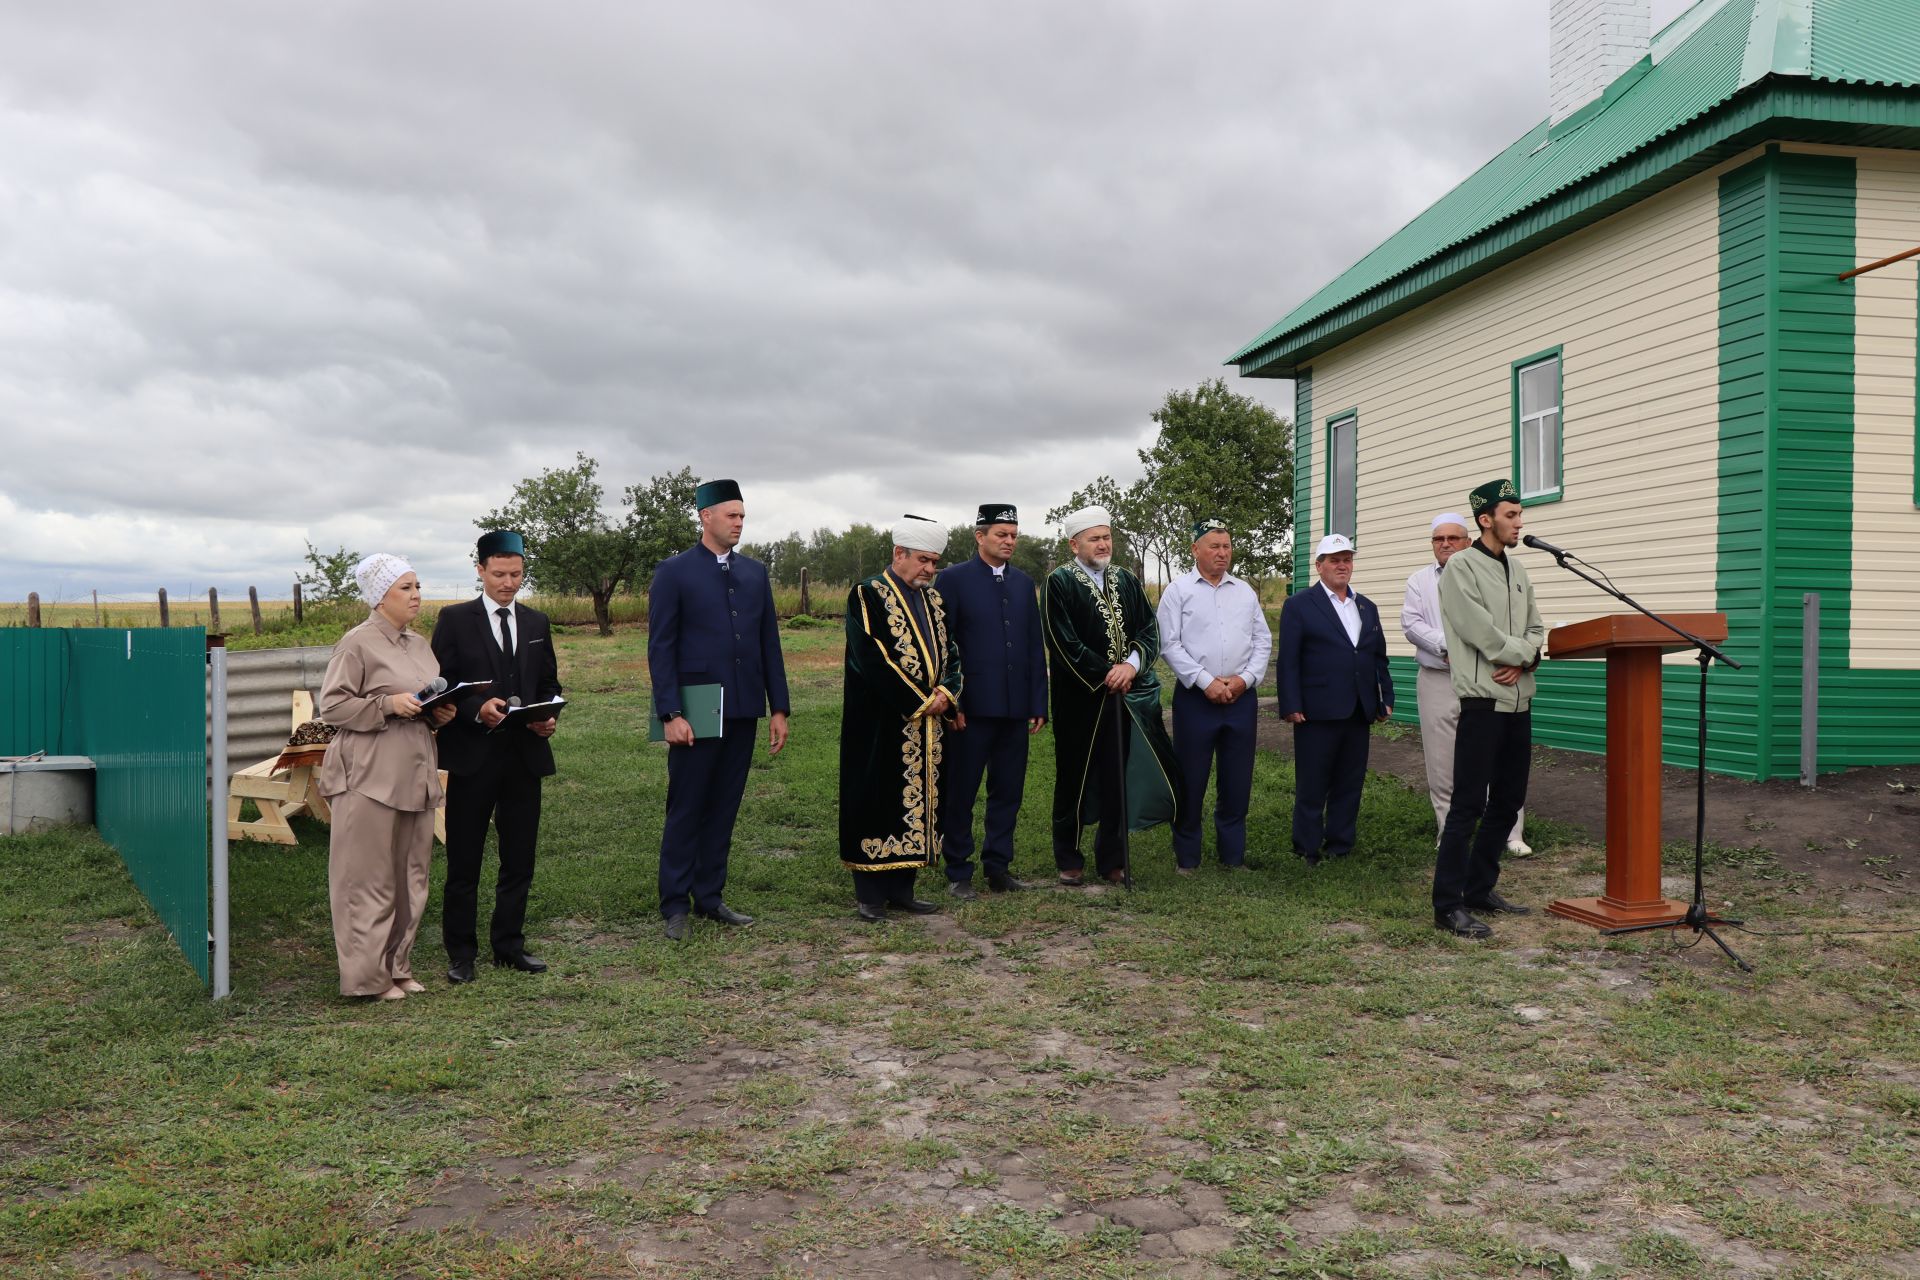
point(135, 702)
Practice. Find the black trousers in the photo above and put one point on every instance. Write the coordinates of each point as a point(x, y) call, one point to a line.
point(1109, 766)
point(881, 888)
point(993, 748)
point(1211, 738)
point(1329, 770)
point(506, 793)
point(704, 784)
point(1492, 752)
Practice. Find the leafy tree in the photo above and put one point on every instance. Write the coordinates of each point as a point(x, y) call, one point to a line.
point(662, 521)
point(572, 548)
point(329, 576)
point(1127, 522)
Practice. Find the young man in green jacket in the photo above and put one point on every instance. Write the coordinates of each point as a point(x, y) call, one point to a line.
point(1494, 641)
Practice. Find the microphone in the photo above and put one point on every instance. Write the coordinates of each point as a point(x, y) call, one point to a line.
point(514, 700)
point(436, 685)
point(1541, 544)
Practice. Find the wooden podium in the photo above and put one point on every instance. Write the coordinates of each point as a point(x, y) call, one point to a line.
point(1632, 645)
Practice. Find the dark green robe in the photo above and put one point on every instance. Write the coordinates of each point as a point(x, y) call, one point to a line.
point(1087, 632)
point(889, 746)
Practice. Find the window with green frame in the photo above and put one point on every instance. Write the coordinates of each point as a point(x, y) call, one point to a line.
point(1537, 427)
point(1343, 450)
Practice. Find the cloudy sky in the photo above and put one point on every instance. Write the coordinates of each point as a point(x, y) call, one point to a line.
point(346, 271)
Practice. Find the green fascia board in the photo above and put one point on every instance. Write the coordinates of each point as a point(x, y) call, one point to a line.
point(1774, 110)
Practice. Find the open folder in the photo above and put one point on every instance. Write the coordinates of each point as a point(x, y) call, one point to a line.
point(703, 705)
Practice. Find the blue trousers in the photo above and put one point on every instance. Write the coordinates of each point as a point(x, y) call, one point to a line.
point(1329, 768)
point(704, 784)
point(1211, 738)
point(993, 747)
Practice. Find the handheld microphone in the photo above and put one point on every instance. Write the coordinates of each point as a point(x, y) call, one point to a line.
point(514, 700)
point(1541, 544)
point(436, 685)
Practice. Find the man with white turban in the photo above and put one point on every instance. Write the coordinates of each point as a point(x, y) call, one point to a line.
point(902, 689)
point(1115, 764)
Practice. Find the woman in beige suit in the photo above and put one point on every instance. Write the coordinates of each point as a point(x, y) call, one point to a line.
point(381, 778)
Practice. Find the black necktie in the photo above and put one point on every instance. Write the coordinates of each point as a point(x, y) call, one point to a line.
point(506, 631)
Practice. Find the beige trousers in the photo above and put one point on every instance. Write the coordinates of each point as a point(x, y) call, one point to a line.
point(377, 869)
point(1439, 720)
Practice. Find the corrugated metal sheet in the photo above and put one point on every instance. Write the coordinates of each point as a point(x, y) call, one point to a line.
point(1698, 63)
point(260, 685)
point(33, 671)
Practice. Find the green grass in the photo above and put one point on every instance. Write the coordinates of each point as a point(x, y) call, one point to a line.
point(1293, 1064)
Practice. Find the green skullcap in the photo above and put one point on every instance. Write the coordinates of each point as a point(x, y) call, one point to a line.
point(1492, 494)
point(500, 542)
point(1210, 524)
point(715, 492)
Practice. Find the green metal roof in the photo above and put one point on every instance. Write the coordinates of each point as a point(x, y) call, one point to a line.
point(1701, 62)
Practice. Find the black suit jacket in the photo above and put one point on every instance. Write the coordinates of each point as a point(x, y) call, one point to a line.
point(463, 642)
point(1320, 671)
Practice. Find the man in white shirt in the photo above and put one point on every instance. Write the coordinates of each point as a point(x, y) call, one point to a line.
point(1214, 635)
point(1439, 707)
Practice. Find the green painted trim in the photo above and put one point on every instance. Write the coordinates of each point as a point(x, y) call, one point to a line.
point(1791, 111)
point(1302, 480)
point(1327, 487)
point(1560, 452)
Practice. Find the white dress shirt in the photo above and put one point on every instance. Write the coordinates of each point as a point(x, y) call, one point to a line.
point(1420, 618)
point(1210, 632)
point(494, 620)
point(1349, 611)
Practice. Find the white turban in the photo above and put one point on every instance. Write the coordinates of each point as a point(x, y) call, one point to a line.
point(918, 533)
point(377, 574)
point(1084, 519)
point(1448, 517)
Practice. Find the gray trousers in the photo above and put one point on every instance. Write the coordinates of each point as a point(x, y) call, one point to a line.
point(1439, 720)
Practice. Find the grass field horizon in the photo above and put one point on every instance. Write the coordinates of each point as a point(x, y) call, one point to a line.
point(1281, 1073)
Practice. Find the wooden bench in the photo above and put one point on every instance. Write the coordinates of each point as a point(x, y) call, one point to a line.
point(284, 794)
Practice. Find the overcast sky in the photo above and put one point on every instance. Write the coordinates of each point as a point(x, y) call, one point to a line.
point(346, 271)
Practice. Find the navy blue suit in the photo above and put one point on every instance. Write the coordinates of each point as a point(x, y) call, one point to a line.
point(710, 625)
point(995, 622)
point(1341, 687)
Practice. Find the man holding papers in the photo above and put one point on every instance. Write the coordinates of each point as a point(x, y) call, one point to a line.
point(494, 768)
point(711, 622)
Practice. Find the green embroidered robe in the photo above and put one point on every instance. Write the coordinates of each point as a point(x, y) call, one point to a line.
point(1088, 630)
point(889, 745)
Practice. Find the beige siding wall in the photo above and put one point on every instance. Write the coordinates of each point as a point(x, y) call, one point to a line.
point(1634, 302)
point(1886, 526)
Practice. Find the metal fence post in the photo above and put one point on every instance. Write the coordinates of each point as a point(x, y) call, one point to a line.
point(1809, 687)
point(217, 790)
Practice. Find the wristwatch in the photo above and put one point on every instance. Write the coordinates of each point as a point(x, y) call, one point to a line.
point(668, 717)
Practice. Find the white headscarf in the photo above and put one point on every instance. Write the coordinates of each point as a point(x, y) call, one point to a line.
point(1084, 519)
point(377, 574)
point(920, 534)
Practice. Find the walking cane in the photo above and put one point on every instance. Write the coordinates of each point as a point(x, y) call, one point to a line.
point(1126, 818)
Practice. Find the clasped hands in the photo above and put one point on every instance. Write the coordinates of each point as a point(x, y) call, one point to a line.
point(1225, 690)
point(1120, 678)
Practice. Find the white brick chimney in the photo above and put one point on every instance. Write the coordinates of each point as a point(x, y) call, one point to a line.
point(1592, 42)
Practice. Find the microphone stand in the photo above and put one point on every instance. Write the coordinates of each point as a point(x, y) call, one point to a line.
point(1698, 918)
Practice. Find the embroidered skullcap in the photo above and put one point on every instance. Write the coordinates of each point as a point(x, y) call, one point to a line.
point(1447, 517)
point(376, 575)
point(1331, 543)
point(715, 492)
point(1211, 524)
point(917, 533)
point(992, 513)
point(1084, 519)
point(1492, 494)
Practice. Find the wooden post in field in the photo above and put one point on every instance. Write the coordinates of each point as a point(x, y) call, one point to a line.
point(33, 608)
point(806, 597)
point(163, 607)
point(213, 609)
point(253, 599)
point(96, 606)
point(299, 610)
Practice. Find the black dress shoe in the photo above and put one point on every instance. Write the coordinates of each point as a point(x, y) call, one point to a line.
point(1461, 925)
point(727, 915)
point(522, 961)
point(919, 906)
point(872, 912)
point(1006, 884)
point(678, 927)
point(1494, 902)
point(963, 890)
point(460, 972)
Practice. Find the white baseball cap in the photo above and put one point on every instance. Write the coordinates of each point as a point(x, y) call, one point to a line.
point(1331, 543)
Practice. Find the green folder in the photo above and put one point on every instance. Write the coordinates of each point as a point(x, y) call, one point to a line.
point(704, 706)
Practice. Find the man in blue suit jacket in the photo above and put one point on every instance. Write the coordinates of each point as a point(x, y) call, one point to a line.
point(993, 612)
point(1334, 683)
point(710, 620)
